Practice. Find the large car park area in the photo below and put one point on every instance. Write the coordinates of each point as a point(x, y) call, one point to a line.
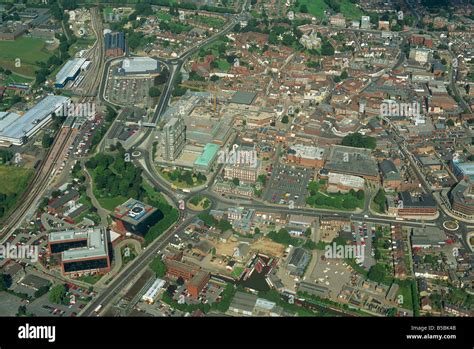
point(129, 91)
point(288, 183)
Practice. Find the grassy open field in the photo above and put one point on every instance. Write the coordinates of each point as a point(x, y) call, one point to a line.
point(15, 79)
point(28, 50)
point(14, 179)
point(112, 202)
point(350, 10)
point(315, 7)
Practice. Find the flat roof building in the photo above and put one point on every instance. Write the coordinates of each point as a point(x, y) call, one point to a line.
point(205, 161)
point(461, 198)
point(174, 138)
point(243, 303)
point(197, 283)
point(417, 205)
point(428, 237)
point(353, 161)
point(464, 169)
point(243, 97)
point(136, 217)
point(306, 155)
point(69, 72)
point(152, 292)
point(139, 66)
point(17, 129)
point(82, 251)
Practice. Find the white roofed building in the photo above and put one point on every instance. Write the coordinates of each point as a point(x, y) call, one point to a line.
point(17, 129)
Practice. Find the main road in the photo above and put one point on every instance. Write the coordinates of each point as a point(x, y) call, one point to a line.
point(141, 262)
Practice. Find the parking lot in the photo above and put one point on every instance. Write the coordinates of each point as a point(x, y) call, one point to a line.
point(362, 235)
point(288, 183)
point(330, 273)
point(78, 298)
point(125, 91)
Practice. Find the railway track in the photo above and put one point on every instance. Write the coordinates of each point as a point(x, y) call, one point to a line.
point(96, 54)
point(39, 183)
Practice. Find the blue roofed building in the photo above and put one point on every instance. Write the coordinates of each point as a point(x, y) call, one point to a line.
point(464, 170)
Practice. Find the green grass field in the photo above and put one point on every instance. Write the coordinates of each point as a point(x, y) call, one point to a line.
point(112, 202)
point(163, 16)
point(223, 65)
point(315, 7)
point(28, 50)
point(15, 79)
point(350, 10)
point(14, 179)
point(90, 279)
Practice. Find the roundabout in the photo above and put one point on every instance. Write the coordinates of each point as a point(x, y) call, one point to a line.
point(199, 203)
point(451, 225)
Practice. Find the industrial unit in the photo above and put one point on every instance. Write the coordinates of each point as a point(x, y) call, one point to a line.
point(69, 72)
point(17, 129)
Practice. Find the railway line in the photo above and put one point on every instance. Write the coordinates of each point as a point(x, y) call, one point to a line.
point(40, 181)
point(96, 54)
point(66, 136)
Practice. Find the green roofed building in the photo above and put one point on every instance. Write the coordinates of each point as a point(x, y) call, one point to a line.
point(205, 161)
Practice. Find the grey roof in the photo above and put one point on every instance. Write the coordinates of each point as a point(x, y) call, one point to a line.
point(69, 70)
point(463, 193)
point(298, 261)
point(137, 65)
point(242, 97)
point(428, 236)
point(387, 166)
point(313, 289)
point(389, 170)
point(64, 198)
point(96, 243)
point(34, 281)
point(244, 301)
point(15, 127)
point(350, 160)
point(422, 200)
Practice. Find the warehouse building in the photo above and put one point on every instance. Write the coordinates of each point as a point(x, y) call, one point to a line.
point(17, 129)
point(69, 72)
point(82, 251)
point(139, 66)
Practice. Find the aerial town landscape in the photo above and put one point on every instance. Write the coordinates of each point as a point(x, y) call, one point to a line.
point(225, 158)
